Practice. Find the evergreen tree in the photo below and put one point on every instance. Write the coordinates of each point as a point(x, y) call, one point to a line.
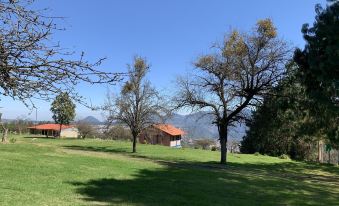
point(304, 105)
point(319, 69)
point(63, 109)
point(278, 126)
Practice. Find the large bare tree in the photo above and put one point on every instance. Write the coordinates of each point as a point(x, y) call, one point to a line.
point(139, 104)
point(243, 67)
point(32, 65)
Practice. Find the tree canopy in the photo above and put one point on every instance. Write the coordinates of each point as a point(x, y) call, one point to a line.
point(63, 109)
point(244, 67)
point(304, 108)
point(319, 69)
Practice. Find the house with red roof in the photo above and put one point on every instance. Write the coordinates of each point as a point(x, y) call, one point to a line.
point(53, 130)
point(162, 134)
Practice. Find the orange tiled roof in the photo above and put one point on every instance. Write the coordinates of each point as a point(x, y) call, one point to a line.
point(55, 127)
point(169, 129)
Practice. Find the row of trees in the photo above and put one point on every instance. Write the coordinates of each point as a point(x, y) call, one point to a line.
point(240, 70)
point(304, 107)
point(238, 73)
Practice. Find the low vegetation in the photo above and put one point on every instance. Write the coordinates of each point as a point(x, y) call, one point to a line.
point(41, 171)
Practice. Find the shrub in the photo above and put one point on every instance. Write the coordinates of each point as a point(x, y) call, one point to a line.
point(118, 132)
point(12, 140)
point(203, 143)
point(214, 148)
point(284, 156)
point(86, 130)
point(256, 154)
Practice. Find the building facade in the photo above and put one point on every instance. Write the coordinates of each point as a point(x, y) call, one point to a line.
point(53, 130)
point(162, 134)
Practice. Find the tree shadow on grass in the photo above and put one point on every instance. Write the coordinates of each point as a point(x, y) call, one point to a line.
point(208, 183)
point(50, 137)
point(98, 149)
point(191, 186)
point(268, 168)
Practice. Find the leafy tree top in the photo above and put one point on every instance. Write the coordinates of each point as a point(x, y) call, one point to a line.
point(63, 109)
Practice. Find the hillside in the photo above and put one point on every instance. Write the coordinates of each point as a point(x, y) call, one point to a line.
point(91, 120)
point(198, 125)
point(95, 172)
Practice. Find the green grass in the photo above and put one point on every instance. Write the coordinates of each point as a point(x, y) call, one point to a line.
point(94, 172)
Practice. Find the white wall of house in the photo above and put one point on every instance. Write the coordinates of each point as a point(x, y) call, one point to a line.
point(175, 143)
point(70, 133)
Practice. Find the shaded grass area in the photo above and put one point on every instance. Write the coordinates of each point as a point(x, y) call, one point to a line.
point(94, 172)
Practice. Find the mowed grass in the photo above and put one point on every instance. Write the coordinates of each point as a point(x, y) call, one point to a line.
point(96, 172)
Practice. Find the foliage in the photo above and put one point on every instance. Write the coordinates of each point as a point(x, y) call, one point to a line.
point(118, 132)
point(243, 69)
point(18, 126)
point(203, 143)
point(214, 148)
point(63, 109)
point(284, 156)
point(12, 140)
point(256, 154)
point(302, 109)
point(86, 130)
point(278, 126)
point(319, 73)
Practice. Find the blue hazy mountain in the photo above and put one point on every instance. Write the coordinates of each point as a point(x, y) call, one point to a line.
point(199, 125)
point(91, 120)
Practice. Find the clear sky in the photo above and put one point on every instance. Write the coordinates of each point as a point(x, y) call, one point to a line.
point(171, 34)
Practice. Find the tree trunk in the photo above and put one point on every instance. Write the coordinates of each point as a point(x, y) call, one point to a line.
point(223, 143)
point(134, 143)
point(60, 130)
point(319, 151)
point(4, 135)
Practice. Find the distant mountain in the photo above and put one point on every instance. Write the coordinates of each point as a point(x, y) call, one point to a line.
point(199, 125)
point(91, 120)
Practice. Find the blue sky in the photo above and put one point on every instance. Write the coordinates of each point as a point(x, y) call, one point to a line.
point(171, 34)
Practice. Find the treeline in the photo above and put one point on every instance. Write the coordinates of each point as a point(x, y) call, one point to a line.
point(116, 132)
point(18, 126)
point(304, 107)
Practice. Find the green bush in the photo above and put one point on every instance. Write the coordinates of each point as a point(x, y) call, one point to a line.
point(284, 156)
point(256, 154)
point(214, 148)
point(12, 140)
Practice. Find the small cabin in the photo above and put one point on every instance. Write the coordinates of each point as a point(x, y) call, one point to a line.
point(53, 130)
point(162, 134)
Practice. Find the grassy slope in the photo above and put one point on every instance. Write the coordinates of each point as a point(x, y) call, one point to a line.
point(93, 172)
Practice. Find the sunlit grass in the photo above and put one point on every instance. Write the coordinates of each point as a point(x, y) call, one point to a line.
point(97, 172)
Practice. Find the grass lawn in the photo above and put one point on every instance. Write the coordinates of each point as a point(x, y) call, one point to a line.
point(94, 172)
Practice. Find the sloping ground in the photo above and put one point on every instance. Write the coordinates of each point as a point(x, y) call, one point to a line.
point(94, 172)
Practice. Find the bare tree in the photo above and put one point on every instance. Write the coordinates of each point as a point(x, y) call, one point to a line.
point(139, 104)
point(243, 68)
point(85, 129)
point(233, 146)
point(31, 65)
point(4, 130)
